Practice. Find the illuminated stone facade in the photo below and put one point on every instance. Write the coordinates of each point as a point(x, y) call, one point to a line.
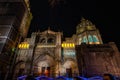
point(87, 33)
point(51, 56)
point(46, 47)
point(68, 54)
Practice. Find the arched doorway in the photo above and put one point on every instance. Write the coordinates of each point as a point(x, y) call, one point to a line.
point(44, 66)
point(71, 68)
point(19, 68)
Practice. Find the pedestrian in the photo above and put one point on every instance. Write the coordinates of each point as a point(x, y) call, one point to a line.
point(108, 77)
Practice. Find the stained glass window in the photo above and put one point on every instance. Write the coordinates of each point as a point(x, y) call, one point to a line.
point(95, 39)
point(90, 38)
point(84, 40)
point(80, 40)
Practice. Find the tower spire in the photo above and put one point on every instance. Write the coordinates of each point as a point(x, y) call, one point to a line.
point(82, 19)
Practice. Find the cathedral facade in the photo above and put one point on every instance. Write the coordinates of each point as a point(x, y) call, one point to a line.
point(45, 53)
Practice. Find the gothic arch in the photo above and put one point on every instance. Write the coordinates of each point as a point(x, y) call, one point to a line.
point(95, 38)
point(69, 59)
point(19, 62)
point(90, 38)
point(46, 62)
point(43, 56)
point(70, 63)
point(51, 40)
point(42, 40)
point(84, 39)
point(46, 59)
point(18, 66)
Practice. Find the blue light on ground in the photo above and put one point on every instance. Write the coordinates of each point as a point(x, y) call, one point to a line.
point(69, 79)
point(96, 78)
point(22, 77)
point(83, 78)
point(61, 77)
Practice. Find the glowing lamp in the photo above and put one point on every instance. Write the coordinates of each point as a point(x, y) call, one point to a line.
point(23, 46)
point(91, 43)
point(68, 45)
point(97, 42)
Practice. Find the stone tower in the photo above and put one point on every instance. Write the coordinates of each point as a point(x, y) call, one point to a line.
point(87, 33)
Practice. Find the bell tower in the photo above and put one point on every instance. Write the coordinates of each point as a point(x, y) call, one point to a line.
point(87, 33)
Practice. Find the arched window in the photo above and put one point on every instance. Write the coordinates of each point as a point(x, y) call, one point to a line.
point(80, 40)
point(50, 40)
point(84, 40)
point(42, 40)
point(90, 38)
point(95, 39)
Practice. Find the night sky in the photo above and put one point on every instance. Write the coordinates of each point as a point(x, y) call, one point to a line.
point(64, 15)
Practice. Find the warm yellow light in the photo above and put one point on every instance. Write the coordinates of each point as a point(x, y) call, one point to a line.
point(23, 46)
point(91, 43)
point(97, 42)
point(68, 45)
point(73, 45)
point(19, 46)
point(62, 45)
point(65, 45)
point(27, 45)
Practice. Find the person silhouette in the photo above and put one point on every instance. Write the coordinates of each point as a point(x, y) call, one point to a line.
point(108, 77)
